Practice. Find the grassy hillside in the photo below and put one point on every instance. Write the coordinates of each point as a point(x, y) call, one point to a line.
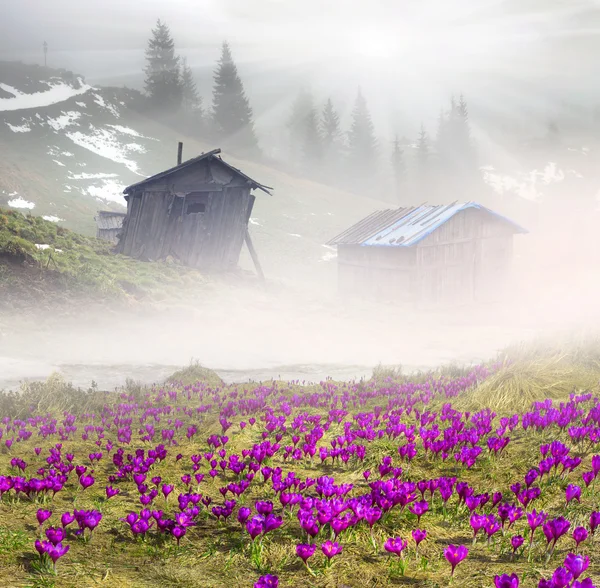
point(42, 261)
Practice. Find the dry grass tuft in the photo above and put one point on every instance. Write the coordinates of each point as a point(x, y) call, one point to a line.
point(535, 372)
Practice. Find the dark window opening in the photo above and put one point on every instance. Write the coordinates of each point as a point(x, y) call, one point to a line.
point(196, 202)
point(194, 207)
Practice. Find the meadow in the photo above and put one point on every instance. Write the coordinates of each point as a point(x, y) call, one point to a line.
point(478, 477)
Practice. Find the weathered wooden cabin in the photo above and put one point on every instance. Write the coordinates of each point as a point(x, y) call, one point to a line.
point(109, 225)
point(427, 255)
point(196, 212)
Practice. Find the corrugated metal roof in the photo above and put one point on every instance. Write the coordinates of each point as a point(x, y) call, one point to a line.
point(405, 227)
point(209, 155)
point(107, 219)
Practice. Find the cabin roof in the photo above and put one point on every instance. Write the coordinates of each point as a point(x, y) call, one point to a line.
point(405, 227)
point(204, 156)
point(107, 219)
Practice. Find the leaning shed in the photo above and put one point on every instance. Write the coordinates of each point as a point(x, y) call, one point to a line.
point(109, 225)
point(196, 212)
point(427, 255)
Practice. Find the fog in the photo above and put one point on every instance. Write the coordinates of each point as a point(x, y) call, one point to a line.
point(517, 61)
point(409, 56)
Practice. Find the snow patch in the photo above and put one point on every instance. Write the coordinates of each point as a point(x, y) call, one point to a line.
point(525, 185)
point(58, 163)
point(52, 219)
point(254, 221)
point(105, 143)
point(58, 92)
point(294, 235)
point(65, 120)
point(68, 154)
point(81, 104)
point(42, 246)
point(19, 129)
point(126, 130)
point(85, 176)
point(107, 106)
point(20, 202)
point(110, 190)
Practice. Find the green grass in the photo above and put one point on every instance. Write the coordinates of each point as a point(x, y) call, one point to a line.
point(77, 264)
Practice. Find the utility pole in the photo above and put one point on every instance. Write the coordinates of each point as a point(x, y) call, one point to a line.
point(45, 46)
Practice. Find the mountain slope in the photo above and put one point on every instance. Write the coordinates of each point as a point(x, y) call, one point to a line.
point(67, 150)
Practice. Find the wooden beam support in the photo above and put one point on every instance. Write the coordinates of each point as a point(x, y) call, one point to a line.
point(254, 256)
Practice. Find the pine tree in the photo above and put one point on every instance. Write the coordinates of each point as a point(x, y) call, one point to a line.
point(162, 83)
point(423, 148)
point(423, 178)
point(232, 115)
point(362, 144)
point(330, 130)
point(191, 100)
point(398, 169)
point(463, 134)
point(296, 124)
point(311, 148)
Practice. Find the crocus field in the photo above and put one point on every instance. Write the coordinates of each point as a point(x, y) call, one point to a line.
point(392, 481)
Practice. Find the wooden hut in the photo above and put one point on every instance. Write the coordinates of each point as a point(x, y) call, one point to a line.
point(109, 225)
point(427, 255)
point(196, 212)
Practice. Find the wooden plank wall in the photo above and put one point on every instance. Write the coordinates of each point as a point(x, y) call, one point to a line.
point(158, 225)
point(463, 261)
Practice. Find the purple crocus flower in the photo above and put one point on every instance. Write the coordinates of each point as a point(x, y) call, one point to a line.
point(305, 551)
point(255, 526)
point(580, 534)
point(419, 509)
point(331, 549)
point(395, 545)
point(267, 581)
point(561, 578)
point(419, 535)
point(55, 535)
point(243, 514)
point(454, 554)
point(516, 541)
point(576, 564)
point(166, 490)
point(42, 516)
point(86, 481)
point(506, 581)
point(573, 492)
point(594, 521)
point(110, 492)
point(55, 552)
point(66, 519)
point(555, 529)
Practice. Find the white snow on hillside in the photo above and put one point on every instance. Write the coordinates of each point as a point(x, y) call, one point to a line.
point(526, 185)
point(110, 190)
point(107, 106)
point(64, 120)
point(58, 92)
point(128, 131)
point(105, 142)
point(20, 203)
point(25, 128)
point(85, 176)
point(52, 218)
